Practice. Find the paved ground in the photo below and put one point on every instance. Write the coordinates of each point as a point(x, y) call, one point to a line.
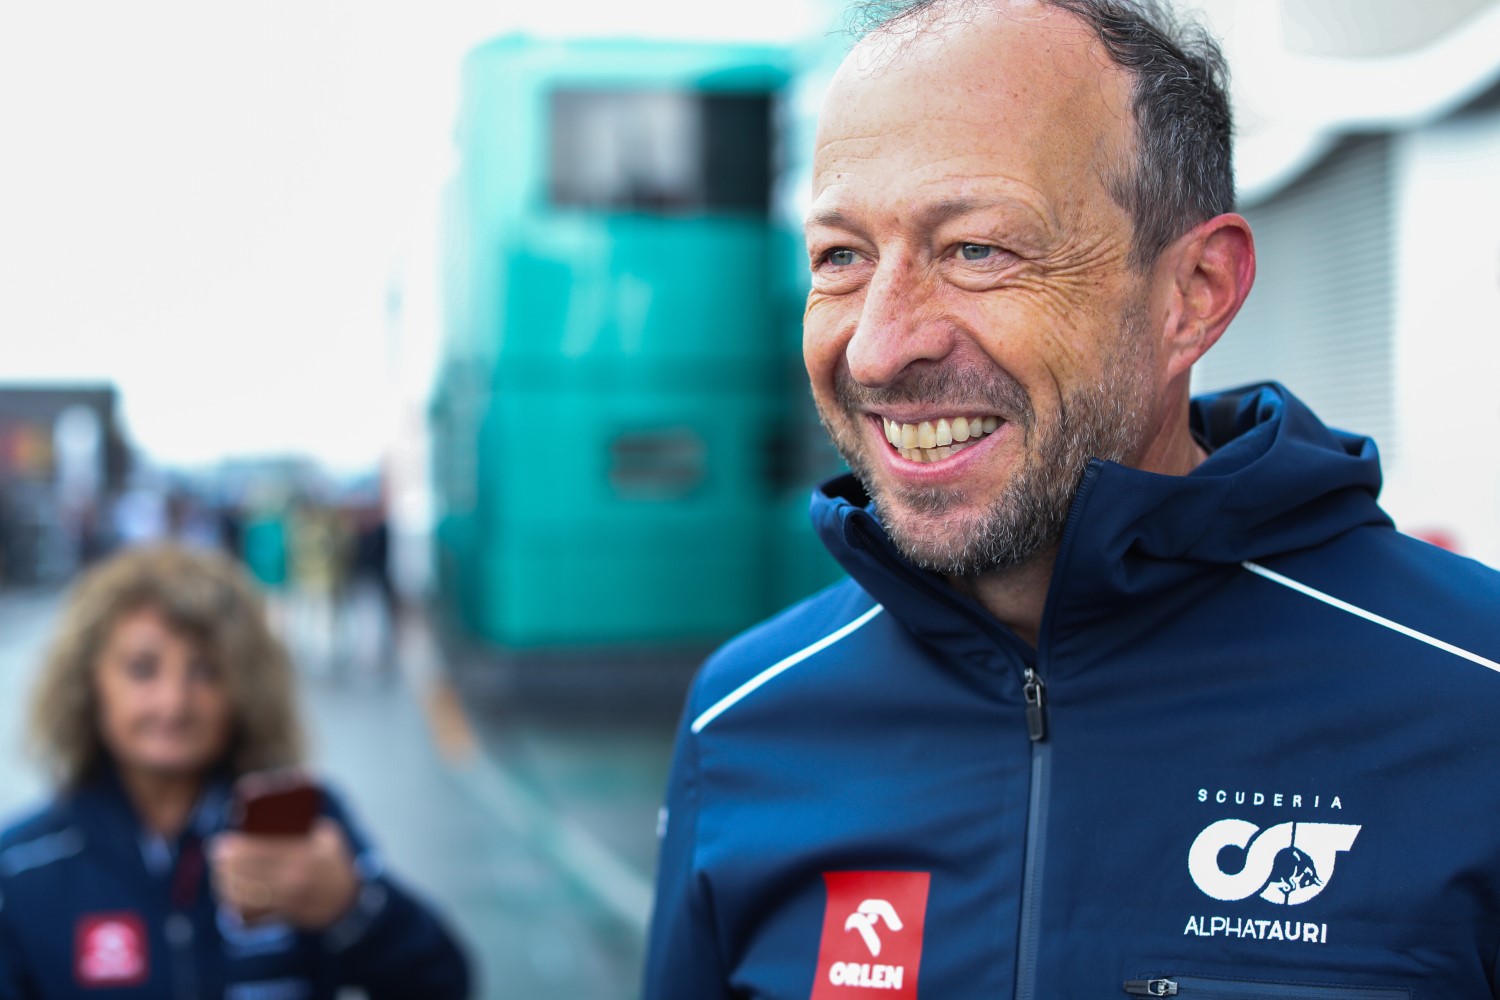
point(532, 829)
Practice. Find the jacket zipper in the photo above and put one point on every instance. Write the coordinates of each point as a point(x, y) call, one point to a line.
point(186, 875)
point(1036, 831)
point(1034, 690)
point(1035, 693)
point(1036, 851)
point(179, 934)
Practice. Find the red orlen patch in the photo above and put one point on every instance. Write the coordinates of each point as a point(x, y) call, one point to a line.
point(110, 949)
point(872, 935)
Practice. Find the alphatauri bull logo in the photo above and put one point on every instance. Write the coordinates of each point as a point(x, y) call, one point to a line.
point(1292, 870)
point(1286, 864)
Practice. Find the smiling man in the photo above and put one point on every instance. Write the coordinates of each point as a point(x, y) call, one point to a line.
point(984, 318)
point(1118, 677)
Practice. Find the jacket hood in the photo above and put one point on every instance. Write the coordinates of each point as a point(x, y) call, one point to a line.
point(1276, 480)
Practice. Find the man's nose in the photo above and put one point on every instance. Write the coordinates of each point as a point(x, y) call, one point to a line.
point(900, 323)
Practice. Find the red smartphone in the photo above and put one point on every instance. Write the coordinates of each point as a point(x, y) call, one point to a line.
point(282, 803)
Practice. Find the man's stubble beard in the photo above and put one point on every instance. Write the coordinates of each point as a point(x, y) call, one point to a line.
point(1105, 419)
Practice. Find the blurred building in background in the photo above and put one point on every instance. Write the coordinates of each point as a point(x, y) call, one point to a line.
point(1369, 144)
point(63, 460)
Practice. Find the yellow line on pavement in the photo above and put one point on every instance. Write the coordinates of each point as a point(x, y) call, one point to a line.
point(451, 730)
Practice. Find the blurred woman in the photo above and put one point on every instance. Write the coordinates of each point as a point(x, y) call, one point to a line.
point(162, 687)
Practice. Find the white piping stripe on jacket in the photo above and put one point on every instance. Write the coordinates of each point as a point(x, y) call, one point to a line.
point(729, 700)
point(1332, 601)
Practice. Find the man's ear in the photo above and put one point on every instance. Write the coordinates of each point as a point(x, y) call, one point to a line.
point(1207, 272)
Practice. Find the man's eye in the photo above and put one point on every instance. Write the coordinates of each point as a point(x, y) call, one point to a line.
point(841, 257)
point(977, 251)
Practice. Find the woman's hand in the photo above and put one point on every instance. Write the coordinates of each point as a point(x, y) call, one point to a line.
point(307, 881)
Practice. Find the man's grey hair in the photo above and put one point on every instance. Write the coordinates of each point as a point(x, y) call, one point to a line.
point(1183, 170)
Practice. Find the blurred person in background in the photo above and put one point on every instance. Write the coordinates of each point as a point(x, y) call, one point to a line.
point(318, 548)
point(371, 610)
point(164, 686)
point(231, 525)
point(6, 529)
point(263, 548)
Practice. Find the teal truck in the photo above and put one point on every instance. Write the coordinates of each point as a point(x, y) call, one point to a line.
point(622, 439)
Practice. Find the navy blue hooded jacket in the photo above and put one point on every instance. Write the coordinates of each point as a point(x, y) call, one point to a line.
point(1255, 753)
point(91, 906)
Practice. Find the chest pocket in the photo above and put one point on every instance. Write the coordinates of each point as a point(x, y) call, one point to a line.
point(1198, 988)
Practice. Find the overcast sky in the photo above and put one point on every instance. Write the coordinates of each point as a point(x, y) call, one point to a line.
point(206, 202)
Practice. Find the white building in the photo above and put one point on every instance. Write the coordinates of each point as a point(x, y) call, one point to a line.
point(1368, 163)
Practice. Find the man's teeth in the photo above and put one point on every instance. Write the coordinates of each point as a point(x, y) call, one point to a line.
point(933, 442)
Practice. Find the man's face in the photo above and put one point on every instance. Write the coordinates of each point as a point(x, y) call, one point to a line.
point(974, 332)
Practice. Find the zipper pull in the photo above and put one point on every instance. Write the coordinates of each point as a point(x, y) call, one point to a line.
point(1035, 693)
point(1151, 987)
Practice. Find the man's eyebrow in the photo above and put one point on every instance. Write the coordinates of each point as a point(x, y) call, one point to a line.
point(831, 218)
point(929, 217)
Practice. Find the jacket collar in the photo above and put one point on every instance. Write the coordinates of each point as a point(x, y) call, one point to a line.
point(109, 821)
point(1277, 480)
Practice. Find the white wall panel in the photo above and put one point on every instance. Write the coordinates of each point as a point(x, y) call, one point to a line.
point(1321, 316)
point(1448, 333)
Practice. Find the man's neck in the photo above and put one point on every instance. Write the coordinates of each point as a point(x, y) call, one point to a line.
point(162, 801)
point(1175, 452)
point(1017, 596)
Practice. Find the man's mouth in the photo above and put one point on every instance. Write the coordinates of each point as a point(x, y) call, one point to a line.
point(935, 440)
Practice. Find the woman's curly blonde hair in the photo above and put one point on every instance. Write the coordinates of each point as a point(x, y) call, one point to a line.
point(205, 597)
